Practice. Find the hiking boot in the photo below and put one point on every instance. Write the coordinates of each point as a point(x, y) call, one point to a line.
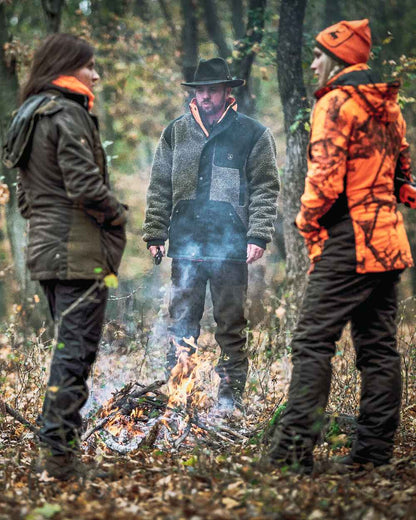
point(304, 466)
point(349, 463)
point(294, 459)
point(62, 467)
point(68, 466)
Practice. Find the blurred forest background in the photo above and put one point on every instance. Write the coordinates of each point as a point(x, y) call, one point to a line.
point(144, 49)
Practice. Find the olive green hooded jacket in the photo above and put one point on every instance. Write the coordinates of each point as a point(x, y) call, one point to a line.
point(76, 224)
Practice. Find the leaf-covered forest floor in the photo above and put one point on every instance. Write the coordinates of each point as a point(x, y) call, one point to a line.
point(207, 476)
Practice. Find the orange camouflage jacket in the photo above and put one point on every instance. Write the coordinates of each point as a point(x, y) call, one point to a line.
point(357, 144)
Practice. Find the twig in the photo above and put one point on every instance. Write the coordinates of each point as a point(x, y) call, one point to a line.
point(185, 434)
point(84, 296)
point(125, 408)
point(211, 431)
point(14, 413)
point(114, 445)
point(232, 432)
point(98, 426)
point(151, 437)
point(4, 407)
point(126, 296)
point(97, 284)
point(150, 388)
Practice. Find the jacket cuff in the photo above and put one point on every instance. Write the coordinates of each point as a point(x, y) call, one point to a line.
point(155, 242)
point(257, 242)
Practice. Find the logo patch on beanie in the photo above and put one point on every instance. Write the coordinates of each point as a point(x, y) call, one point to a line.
point(336, 37)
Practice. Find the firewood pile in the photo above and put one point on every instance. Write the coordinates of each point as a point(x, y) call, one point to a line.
point(139, 416)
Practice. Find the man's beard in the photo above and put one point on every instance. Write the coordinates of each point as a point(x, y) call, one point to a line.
point(213, 109)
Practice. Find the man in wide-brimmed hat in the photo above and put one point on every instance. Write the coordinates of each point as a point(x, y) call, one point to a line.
point(212, 193)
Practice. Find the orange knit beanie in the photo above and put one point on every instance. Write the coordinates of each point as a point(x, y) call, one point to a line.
point(349, 42)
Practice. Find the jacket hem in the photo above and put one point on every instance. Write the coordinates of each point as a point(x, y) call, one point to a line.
point(207, 258)
point(53, 275)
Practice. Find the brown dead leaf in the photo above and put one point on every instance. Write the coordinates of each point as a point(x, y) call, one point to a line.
point(230, 503)
point(164, 481)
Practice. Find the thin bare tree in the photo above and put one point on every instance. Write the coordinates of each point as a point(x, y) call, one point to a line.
point(189, 39)
point(237, 18)
point(53, 13)
point(247, 50)
point(296, 116)
point(214, 29)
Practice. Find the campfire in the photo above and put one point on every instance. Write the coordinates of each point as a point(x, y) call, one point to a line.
point(139, 416)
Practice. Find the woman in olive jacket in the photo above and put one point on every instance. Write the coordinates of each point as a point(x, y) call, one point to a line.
point(76, 226)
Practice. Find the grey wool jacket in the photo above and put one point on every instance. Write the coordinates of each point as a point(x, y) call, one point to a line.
point(211, 193)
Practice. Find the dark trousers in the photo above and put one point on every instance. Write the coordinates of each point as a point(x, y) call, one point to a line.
point(332, 299)
point(78, 335)
point(228, 286)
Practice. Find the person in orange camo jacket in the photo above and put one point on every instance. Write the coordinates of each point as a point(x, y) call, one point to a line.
point(358, 247)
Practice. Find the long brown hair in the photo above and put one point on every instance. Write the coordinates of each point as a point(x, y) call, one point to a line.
point(59, 54)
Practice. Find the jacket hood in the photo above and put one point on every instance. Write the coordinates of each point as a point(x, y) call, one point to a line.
point(377, 98)
point(16, 148)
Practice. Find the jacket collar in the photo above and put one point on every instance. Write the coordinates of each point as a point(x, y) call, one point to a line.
point(81, 99)
point(333, 82)
point(231, 106)
point(73, 84)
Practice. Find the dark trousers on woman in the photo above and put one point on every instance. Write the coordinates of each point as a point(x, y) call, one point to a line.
point(78, 336)
point(228, 286)
point(332, 299)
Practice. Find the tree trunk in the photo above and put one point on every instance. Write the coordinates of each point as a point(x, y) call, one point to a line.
point(189, 39)
point(247, 50)
point(53, 12)
point(214, 29)
point(141, 9)
point(31, 314)
point(332, 13)
point(295, 104)
point(16, 226)
point(237, 18)
point(168, 17)
point(105, 13)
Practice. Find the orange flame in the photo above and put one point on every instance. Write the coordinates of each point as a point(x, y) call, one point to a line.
point(184, 385)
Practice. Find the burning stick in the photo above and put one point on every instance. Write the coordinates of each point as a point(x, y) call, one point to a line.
point(114, 445)
point(125, 402)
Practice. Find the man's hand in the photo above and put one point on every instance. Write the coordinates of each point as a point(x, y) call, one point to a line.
point(153, 250)
point(254, 253)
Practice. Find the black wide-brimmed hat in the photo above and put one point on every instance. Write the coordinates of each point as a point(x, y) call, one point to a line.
point(213, 72)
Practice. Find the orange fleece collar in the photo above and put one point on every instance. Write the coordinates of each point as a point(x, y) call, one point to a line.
point(232, 103)
point(74, 85)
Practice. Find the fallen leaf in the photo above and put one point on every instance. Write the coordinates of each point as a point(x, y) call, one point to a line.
point(230, 503)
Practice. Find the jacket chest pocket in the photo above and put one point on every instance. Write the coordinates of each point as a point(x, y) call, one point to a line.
point(228, 183)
